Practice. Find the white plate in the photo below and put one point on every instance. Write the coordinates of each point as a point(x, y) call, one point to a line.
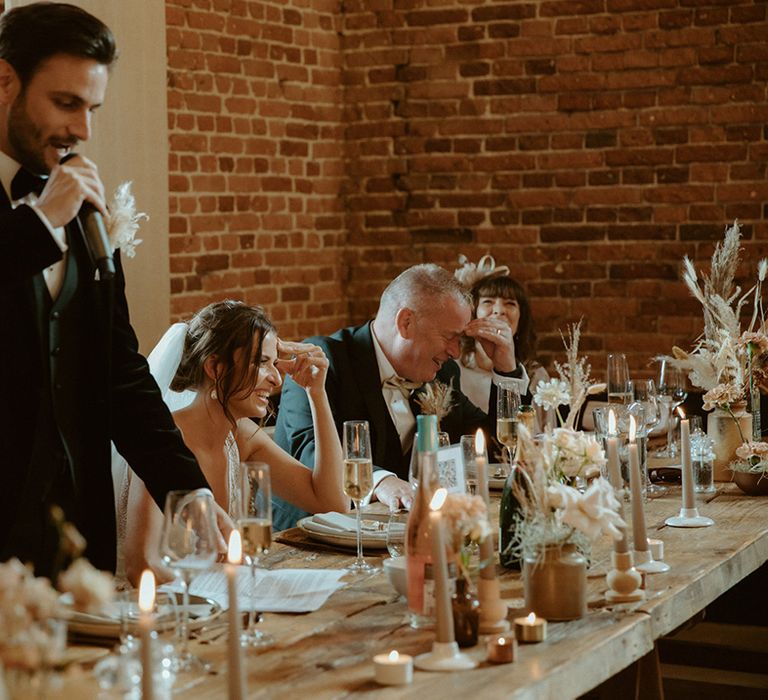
point(201, 612)
point(348, 540)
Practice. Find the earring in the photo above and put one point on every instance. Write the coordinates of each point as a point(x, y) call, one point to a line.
point(214, 396)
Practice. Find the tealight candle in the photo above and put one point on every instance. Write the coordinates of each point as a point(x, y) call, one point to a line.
point(235, 677)
point(530, 629)
point(393, 668)
point(146, 629)
point(501, 650)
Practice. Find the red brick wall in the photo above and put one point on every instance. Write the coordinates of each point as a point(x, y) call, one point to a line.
point(254, 113)
point(589, 144)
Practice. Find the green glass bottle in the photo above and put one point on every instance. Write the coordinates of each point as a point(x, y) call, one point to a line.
point(508, 509)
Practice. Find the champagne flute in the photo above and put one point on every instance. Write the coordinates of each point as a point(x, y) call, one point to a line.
point(254, 521)
point(188, 545)
point(507, 407)
point(358, 479)
point(672, 392)
point(645, 393)
point(617, 379)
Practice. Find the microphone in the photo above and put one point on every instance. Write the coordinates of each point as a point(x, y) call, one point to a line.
point(96, 235)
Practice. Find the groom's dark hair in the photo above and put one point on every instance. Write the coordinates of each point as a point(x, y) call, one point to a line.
point(32, 34)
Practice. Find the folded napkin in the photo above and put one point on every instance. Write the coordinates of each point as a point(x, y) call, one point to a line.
point(346, 523)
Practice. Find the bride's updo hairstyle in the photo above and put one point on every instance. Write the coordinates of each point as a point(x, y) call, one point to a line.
point(220, 330)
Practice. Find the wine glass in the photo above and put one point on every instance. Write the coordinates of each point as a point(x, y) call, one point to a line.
point(254, 520)
point(671, 392)
point(358, 479)
point(645, 393)
point(617, 379)
point(188, 545)
point(507, 406)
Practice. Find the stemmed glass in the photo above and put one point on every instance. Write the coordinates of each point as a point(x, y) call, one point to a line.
point(507, 407)
point(645, 393)
point(358, 479)
point(617, 379)
point(188, 545)
point(671, 392)
point(254, 520)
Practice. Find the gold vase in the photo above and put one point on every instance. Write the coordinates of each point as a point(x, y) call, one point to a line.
point(723, 428)
point(555, 583)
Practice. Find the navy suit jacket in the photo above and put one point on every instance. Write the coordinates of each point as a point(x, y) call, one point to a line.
point(67, 394)
point(354, 392)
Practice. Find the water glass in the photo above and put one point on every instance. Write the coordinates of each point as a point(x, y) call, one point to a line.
point(702, 458)
point(469, 453)
point(617, 379)
point(396, 524)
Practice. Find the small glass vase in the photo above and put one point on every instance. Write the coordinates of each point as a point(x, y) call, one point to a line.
point(555, 583)
point(728, 432)
point(466, 613)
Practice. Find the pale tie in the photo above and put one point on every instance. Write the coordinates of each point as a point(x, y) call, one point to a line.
point(399, 391)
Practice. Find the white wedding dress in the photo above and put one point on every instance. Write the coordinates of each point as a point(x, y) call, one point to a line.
point(163, 363)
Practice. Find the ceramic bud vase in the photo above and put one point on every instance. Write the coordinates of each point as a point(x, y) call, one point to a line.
point(727, 433)
point(555, 584)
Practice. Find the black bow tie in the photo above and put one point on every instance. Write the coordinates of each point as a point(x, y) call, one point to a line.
point(25, 182)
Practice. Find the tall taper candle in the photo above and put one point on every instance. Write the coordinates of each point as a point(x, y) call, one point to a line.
point(689, 499)
point(482, 467)
point(620, 546)
point(639, 535)
point(235, 677)
point(443, 613)
point(146, 627)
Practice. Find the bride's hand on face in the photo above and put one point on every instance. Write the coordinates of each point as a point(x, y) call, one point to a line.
point(306, 364)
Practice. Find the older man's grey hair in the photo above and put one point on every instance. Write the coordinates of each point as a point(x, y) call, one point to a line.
point(421, 288)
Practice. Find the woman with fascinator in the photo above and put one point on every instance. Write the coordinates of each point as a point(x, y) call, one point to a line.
point(497, 295)
point(217, 372)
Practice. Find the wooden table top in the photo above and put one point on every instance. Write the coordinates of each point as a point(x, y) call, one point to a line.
point(327, 653)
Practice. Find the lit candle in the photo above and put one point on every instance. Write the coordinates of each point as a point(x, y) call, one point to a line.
point(689, 500)
point(235, 676)
point(482, 467)
point(620, 546)
point(146, 628)
point(443, 613)
point(530, 629)
point(393, 668)
point(639, 535)
point(501, 650)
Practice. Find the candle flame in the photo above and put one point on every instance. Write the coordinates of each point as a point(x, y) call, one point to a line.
point(531, 619)
point(632, 428)
point(479, 443)
point(681, 412)
point(502, 641)
point(147, 591)
point(394, 656)
point(235, 549)
point(611, 422)
point(438, 499)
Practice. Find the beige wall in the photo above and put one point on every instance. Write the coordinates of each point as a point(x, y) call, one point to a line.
point(130, 142)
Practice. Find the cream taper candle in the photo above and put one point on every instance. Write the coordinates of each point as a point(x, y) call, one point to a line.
point(689, 499)
point(620, 546)
point(639, 535)
point(443, 613)
point(146, 628)
point(235, 676)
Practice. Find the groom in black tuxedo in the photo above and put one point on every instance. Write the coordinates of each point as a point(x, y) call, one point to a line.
point(377, 371)
point(70, 371)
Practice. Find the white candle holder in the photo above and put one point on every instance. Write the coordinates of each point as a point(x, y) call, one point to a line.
point(445, 656)
point(689, 517)
point(645, 562)
point(493, 610)
point(623, 580)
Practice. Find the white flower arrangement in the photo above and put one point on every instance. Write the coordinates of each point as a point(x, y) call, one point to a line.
point(123, 220)
point(724, 358)
point(553, 511)
point(574, 384)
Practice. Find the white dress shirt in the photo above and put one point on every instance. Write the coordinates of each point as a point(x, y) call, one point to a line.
point(54, 274)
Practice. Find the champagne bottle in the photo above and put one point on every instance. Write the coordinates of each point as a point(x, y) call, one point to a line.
point(418, 535)
point(508, 509)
